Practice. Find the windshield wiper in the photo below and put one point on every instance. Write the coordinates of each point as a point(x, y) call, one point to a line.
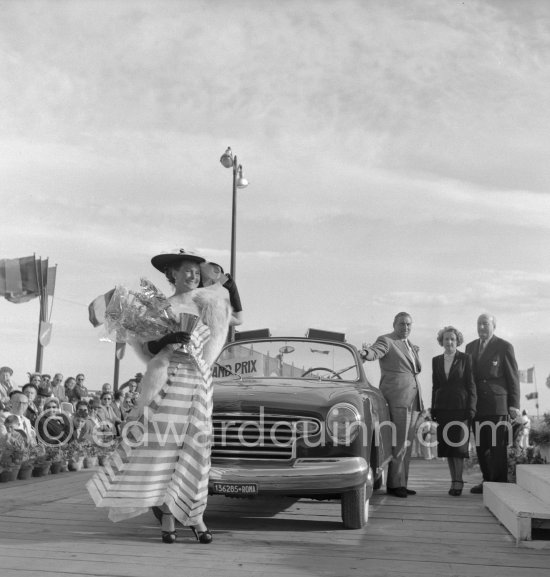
point(225, 370)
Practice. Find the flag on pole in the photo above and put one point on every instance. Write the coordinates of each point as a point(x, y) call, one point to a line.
point(531, 396)
point(45, 333)
point(527, 376)
point(18, 279)
point(52, 274)
point(96, 309)
point(120, 350)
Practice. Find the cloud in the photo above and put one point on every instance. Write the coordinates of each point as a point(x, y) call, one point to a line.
point(396, 153)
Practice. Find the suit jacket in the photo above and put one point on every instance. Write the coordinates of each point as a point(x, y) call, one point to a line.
point(496, 377)
point(457, 392)
point(398, 381)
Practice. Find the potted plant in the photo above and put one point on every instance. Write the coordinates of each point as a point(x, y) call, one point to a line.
point(42, 463)
point(27, 465)
point(90, 456)
point(74, 454)
point(12, 453)
point(55, 455)
point(539, 437)
point(104, 452)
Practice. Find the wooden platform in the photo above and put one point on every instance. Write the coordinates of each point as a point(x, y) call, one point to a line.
point(50, 527)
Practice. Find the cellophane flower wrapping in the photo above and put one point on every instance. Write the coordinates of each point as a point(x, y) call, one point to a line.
point(143, 314)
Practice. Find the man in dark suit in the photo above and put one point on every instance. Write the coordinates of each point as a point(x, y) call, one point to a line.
point(497, 383)
point(399, 366)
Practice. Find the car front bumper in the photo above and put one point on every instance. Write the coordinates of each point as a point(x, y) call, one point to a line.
point(302, 477)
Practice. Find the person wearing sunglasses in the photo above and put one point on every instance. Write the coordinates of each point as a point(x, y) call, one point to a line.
point(106, 413)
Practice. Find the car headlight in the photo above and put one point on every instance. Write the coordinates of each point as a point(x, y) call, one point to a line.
point(343, 423)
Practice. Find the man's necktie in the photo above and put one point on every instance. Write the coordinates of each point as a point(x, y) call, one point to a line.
point(482, 345)
point(411, 354)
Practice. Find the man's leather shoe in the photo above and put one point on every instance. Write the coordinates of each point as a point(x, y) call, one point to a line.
point(411, 492)
point(477, 489)
point(397, 492)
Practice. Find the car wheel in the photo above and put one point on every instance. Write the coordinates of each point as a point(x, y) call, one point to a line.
point(355, 508)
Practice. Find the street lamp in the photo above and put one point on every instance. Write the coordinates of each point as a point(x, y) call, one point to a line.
point(229, 161)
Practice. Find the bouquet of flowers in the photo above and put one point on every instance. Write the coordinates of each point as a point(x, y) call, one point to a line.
point(145, 314)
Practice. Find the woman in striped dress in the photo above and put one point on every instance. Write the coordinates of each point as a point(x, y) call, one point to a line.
point(163, 461)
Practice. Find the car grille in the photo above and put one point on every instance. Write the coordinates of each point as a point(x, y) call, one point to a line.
point(259, 436)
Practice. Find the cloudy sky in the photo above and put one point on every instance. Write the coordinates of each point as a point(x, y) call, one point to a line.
point(397, 153)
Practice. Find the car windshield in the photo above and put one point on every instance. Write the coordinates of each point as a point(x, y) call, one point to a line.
point(316, 360)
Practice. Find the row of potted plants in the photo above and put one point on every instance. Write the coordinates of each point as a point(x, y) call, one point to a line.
point(539, 436)
point(17, 461)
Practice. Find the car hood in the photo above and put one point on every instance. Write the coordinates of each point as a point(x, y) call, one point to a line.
point(291, 394)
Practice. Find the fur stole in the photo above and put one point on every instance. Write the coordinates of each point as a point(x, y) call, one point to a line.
point(215, 312)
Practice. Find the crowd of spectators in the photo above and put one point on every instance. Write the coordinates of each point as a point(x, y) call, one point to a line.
point(56, 411)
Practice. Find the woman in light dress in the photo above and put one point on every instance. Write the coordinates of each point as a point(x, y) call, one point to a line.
point(163, 461)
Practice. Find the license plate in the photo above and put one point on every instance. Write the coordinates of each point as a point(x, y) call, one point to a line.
point(236, 488)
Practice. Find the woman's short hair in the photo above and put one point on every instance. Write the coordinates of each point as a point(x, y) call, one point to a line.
point(105, 393)
point(450, 329)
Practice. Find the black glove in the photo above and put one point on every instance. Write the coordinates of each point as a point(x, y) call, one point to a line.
point(229, 283)
point(181, 337)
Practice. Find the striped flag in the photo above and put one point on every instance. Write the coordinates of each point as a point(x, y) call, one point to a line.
point(96, 309)
point(527, 376)
point(52, 274)
point(19, 279)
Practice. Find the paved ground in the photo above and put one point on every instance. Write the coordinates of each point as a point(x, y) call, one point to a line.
point(49, 526)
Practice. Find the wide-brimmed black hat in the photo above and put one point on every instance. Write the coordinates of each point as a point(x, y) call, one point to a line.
point(163, 261)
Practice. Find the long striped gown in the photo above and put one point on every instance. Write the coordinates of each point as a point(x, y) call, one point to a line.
point(164, 458)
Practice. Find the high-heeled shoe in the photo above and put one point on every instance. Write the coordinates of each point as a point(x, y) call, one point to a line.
point(202, 536)
point(456, 488)
point(170, 535)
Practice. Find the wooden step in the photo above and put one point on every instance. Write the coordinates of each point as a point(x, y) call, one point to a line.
point(517, 509)
point(535, 479)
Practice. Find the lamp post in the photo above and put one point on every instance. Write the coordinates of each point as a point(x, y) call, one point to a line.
point(229, 161)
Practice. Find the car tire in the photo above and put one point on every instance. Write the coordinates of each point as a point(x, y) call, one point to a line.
point(355, 508)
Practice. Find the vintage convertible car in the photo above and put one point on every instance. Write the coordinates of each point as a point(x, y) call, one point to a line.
point(297, 417)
